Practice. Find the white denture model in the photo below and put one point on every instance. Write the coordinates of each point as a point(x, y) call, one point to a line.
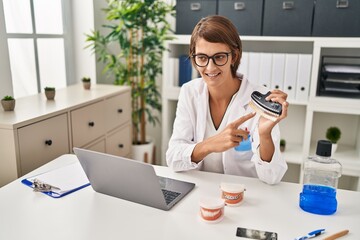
point(211, 210)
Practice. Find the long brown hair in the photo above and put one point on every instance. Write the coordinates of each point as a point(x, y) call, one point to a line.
point(218, 29)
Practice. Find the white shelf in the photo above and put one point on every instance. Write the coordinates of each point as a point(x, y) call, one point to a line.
point(308, 119)
point(320, 41)
point(335, 105)
point(293, 153)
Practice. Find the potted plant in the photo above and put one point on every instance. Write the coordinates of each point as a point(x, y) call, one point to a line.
point(8, 103)
point(282, 145)
point(139, 30)
point(50, 93)
point(333, 134)
point(86, 82)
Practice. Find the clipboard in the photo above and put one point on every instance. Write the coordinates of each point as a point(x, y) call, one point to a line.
point(59, 182)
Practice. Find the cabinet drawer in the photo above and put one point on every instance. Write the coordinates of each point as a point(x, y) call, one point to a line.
point(245, 14)
point(118, 110)
point(189, 12)
point(98, 146)
point(87, 123)
point(42, 142)
point(288, 17)
point(119, 143)
point(337, 18)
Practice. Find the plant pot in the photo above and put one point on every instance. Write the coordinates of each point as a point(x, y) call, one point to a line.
point(333, 148)
point(87, 85)
point(143, 152)
point(282, 148)
point(50, 95)
point(8, 105)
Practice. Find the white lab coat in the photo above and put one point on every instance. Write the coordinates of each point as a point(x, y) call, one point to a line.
point(189, 129)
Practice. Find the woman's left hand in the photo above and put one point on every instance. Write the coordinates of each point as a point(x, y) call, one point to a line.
point(266, 125)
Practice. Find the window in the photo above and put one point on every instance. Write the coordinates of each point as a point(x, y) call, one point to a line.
point(36, 37)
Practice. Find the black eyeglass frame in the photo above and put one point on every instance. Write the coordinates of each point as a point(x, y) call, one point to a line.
point(211, 57)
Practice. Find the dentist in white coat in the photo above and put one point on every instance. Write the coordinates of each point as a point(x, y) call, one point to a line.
point(213, 114)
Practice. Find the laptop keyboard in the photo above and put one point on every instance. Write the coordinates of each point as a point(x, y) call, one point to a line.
point(169, 195)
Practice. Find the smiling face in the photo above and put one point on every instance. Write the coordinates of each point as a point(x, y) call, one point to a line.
point(220, 31)
point(214, 76)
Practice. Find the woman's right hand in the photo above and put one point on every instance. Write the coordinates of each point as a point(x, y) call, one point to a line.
point(230, 137)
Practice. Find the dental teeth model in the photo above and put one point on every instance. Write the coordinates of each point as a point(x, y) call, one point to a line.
point(211, 210)
point(267, 109)
point(232, 193)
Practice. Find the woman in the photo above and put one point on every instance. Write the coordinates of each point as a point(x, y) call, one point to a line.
point(213, 114)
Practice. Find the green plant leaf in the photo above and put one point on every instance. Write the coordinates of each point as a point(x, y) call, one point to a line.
point(333, 134)
point(136, 29)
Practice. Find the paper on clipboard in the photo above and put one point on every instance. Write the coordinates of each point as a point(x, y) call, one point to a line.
point(66, 179)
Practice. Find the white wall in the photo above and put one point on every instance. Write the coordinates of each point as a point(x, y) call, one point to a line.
point(5, 73)
point(83, 23)
point(99, 20)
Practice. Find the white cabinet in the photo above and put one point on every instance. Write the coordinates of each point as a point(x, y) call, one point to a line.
point(42, 142)
point(38, 130)
point(117, 111)
point(309, 115)
point(87, 123)
point(116, 144)
point(98, 146)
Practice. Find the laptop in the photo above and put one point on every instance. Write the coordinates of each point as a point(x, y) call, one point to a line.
point(131, 180)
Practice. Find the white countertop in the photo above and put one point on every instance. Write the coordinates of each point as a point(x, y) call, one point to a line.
point(38, 107)
point(87, 215)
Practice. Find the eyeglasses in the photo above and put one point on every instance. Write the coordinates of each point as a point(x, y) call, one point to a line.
point(219, 59)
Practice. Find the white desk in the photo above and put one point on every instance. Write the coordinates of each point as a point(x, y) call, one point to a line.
point(87, 215)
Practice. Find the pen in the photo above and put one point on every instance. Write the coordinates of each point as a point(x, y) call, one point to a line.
point(337, 235)
point(311, 234)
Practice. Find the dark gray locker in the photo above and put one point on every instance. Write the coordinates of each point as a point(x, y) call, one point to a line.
point(337, 18)
point(189, 12)
point(288, 18)
point(245, 14)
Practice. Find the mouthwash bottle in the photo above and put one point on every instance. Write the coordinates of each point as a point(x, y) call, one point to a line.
point(321, 175)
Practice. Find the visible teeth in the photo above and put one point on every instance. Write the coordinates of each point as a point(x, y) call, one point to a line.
point(229, 197)
point(212, 74)
point(209, 214)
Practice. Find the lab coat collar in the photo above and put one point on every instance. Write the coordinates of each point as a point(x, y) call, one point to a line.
point(236, 111)
point(241, 100)
point(244, 93)
point(203, 105)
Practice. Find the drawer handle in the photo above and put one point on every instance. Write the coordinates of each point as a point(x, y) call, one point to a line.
point(238, 6)
point(289, 87)
point(121, 145)
point(91, 124)
point(342, 4)
point(302, 88)
point(120, 110)
point(195, 6)
point(48, 142)
point(288, 5)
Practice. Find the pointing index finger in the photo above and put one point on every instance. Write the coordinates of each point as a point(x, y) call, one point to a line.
point(243, 119)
